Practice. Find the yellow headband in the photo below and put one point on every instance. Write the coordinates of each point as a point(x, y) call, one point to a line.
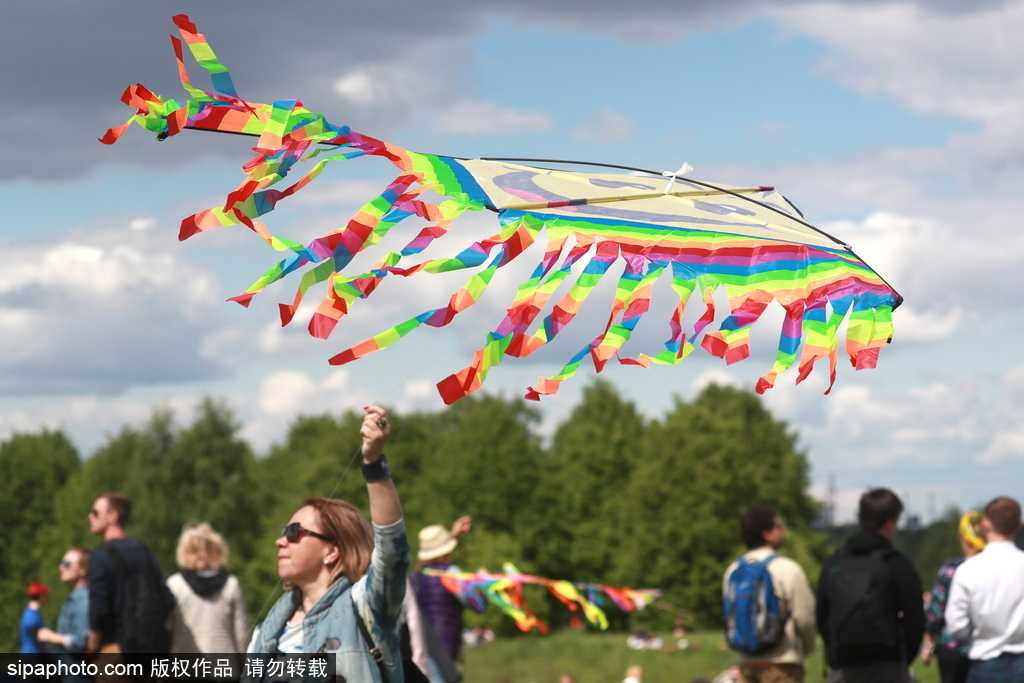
point(967, 530)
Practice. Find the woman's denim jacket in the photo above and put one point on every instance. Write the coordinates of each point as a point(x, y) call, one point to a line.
point(330, 626)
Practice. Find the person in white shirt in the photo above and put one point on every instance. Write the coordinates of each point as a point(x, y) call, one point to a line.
point(986, 599)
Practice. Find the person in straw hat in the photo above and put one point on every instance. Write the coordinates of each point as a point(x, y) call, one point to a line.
point(441, 610)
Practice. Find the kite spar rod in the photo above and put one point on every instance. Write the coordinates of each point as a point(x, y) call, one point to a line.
point(628, 197)
point(714, 189)
point(576, 202)
point(720, 190)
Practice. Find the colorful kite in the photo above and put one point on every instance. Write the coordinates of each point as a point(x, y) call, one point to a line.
point(505, 591)
point(748, 240)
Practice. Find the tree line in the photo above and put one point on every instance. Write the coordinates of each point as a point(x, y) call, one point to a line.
point(613, 498)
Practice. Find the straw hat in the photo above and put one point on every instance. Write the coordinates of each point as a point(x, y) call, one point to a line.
point(435, 542)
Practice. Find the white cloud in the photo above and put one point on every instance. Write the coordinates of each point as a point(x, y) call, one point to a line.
point(349, 194)
point(141, 224)
point(484, 118)
point(606, 126)
point(715, 376)
point(100, 310)
point(929, 326)
point(934, 63)
point(392, 89)
point(361, 88)
point(925, 427)
point(87, 420)
point(284, 395)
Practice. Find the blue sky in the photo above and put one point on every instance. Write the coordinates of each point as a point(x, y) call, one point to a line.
point(896, 126)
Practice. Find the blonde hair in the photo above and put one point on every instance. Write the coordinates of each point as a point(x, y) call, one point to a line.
point(351, 532)
point(200, 547)
point(970, 524)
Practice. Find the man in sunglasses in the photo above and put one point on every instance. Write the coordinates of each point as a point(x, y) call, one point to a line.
point(116, 563)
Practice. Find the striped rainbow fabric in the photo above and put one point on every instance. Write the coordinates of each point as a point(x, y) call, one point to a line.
point(505, 591)
point(749, 241)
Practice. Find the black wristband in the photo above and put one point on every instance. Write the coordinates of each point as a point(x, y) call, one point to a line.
point(376, 470)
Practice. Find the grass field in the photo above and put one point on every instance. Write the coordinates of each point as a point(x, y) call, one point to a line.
point(603, 658)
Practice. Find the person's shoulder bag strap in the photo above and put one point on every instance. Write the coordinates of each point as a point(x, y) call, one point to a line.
point(375, 653)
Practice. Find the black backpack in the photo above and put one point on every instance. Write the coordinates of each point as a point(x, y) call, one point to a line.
point(144, 606)
point(862, 622)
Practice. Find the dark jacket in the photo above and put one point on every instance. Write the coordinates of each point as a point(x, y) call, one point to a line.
point(105, 585)
point(905, 589)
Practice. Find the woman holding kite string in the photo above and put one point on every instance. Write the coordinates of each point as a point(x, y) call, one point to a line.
point(343, 572)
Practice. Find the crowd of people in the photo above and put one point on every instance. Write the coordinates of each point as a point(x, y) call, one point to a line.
point(345, 578)
point(870, 609)
point(349, 593)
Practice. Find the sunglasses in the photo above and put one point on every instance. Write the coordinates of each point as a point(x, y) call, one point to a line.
point(64, 564)
point(294, 531)
point(94, 513)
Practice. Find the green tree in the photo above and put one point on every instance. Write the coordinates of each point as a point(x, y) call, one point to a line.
point(34, 467)
point(482, 460)
point(574, 517)
point(203, 472)
point(936, 544)
point(480, 457)
point(702, 466)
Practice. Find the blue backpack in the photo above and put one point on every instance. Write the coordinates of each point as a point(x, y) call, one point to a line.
point(752, 621)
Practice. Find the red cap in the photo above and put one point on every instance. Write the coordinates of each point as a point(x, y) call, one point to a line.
point(37, 590)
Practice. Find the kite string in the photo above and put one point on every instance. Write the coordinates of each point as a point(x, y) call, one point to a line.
point(392, 391)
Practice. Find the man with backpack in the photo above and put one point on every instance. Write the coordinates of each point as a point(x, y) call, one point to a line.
point(870, 610)
point(768, 604)
point(128, 600)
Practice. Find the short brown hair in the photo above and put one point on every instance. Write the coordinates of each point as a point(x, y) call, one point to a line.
point(1003, 514)
point(200, 547)
point(120, 504)
point(351, 532)
point(83, 555)
point(754, 523)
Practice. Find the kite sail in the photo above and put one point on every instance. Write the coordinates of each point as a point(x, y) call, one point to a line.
point(749, 241)
point(505, 591)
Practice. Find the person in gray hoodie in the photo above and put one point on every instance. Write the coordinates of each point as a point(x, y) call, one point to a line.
point(210, 616)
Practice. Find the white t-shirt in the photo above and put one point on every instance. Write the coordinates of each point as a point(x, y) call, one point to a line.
point(986, 602)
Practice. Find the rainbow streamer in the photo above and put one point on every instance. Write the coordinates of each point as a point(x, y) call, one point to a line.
point(505, 591)
point(751, 242)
